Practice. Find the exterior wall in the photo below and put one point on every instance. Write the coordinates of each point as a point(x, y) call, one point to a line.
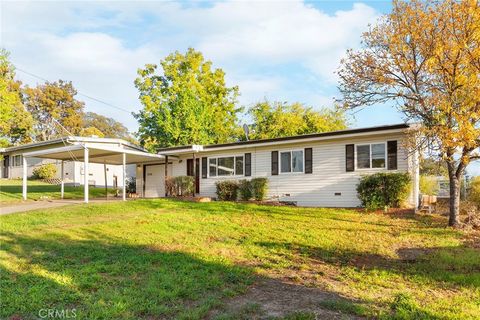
point(316, 189)
point(96, 174)
point(73, 171)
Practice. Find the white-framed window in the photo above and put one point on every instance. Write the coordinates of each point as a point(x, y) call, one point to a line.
point(291, 161)
point(371, 156)
point(17, 161)
point(226, 166)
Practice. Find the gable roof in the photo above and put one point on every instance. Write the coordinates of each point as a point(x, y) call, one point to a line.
point(397, 127)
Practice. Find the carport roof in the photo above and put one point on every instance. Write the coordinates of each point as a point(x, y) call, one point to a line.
point(109, 151)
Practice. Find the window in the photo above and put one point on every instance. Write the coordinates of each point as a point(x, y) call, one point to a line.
point(371, 156)
point(291, 161)
point(226, 166)
point(213, 167)
point(17, 161)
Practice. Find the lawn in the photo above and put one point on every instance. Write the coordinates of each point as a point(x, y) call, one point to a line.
point(11, 191)
point(163, 259)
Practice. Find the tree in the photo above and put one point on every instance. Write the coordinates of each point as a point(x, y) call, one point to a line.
point(54, 100)
point(433, 167)
point(108, 127)
point(91, 131)
point(425, 56)
point(272, 120)
point(15, 121)
point(187, 103)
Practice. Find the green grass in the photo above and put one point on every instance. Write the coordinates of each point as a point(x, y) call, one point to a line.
point(162, 259)
point(11, 191)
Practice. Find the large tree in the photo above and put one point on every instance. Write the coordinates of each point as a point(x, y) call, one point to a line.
point(15, 121)
point(425, 56)
point(54, 101)
point(280, 119)
point(109, 127)
point(186, 102)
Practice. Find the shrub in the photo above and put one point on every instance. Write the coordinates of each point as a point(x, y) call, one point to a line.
point(428, 185)
point(245, 190)
point(227, 190)
point(45, 171)
point(381, 190)
point(474, 191)
point(259, 188)
point(179, 186)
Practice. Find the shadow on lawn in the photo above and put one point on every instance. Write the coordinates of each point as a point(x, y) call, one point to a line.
point(103, 278)
point(455, 265)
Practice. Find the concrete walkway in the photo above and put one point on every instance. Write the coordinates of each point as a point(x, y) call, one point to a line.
point(44, 204)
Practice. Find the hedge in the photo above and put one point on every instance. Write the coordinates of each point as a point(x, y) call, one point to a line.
point(383, 190)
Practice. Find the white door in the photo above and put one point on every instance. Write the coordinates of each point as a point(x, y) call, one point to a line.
point(155, 181)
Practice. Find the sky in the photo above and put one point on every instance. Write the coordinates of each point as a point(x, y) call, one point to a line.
point(275, 50)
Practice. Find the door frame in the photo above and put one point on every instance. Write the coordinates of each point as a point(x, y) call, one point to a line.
point(197, 172)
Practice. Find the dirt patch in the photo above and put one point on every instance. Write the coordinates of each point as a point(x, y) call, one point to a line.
point(276, 298)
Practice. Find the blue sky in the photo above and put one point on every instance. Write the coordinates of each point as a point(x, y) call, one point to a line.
point(285, 50)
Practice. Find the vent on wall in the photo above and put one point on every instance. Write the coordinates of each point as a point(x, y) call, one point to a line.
point(338, 193)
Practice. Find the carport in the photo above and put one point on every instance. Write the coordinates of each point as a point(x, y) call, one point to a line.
point(91, 150)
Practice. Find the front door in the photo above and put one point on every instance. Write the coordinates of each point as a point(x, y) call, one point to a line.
point(154, 181)
point(197, 172)
point(6, 165)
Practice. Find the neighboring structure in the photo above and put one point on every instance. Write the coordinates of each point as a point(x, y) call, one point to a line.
point(311, 170)
point(11, 167)
point(92, 153)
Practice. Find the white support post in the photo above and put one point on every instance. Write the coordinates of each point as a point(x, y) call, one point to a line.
point(124, 176)
point(24, 182)
point(62, 183)
point(85, 172)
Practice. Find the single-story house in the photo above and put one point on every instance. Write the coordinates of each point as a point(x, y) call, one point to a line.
point(320, 169)
point(11, 167)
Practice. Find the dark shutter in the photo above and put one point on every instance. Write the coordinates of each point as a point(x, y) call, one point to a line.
point(350, 157)
point(392, 155)
point(308, 160)
point(204, 168)
point(248, 164)
point(274, 163)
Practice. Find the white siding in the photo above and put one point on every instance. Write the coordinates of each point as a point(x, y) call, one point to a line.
point(316, 189)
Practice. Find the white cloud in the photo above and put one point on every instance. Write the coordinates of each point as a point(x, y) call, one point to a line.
point(279, 50)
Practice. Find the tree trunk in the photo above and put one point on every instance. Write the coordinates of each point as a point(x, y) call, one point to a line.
point(454, 176)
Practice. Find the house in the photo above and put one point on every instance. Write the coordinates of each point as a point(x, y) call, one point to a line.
point(319, 169)
point(11, 167)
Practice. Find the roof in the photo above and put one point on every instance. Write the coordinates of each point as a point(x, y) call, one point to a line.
point(287, 139)
point(70, 140)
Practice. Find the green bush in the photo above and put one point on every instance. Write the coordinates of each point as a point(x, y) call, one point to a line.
point(45, 171)
point(474, 191)
point(381, 190)
point(245, 190)
point(227, 190)
point(259, 188)
point(428, 185)
point(179, 186)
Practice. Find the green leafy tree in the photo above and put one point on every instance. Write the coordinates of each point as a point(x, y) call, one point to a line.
point(186, 102)
point(433, 167)
point(273, 120)
point(15, 121)
point(110, 128)
point(54, 100)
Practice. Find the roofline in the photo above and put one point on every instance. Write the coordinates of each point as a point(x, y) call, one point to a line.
point(70, 139)
point(291, 138)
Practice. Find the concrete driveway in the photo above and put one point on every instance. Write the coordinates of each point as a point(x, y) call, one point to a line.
point(43, 204)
